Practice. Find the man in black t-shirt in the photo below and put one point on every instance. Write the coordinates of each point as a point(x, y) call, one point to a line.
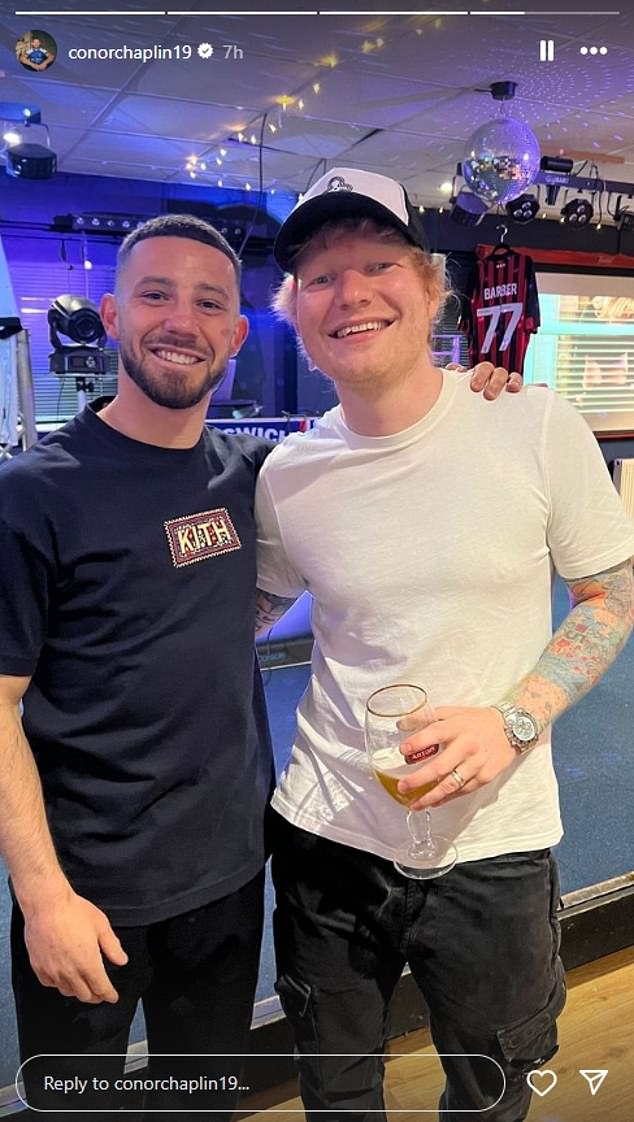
point(133, 789)
point(127, 605)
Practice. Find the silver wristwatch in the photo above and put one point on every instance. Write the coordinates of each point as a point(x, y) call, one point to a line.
point(521, 728)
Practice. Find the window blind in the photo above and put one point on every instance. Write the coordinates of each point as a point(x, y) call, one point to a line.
point(585, 346)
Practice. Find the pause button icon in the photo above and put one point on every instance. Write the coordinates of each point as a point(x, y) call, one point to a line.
point(546, 50)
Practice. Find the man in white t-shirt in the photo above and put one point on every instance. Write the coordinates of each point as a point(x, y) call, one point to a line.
point(426, 526)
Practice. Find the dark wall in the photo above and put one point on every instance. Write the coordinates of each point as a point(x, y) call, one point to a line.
point(446, 236)
point(616, 449)
point(31, 237)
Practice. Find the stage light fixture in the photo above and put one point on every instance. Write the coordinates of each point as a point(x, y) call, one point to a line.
point(77, 319)
point(578, 212)
point(24, 154)
point(31, 161)
point(624, 215)
point(98, 223)
point(557, 171)
point(468, 209)
point(625, 220)
point(233, 232)
point(523, 209)
point(563, 165)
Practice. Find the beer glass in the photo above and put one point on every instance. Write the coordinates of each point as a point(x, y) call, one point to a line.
point(391, 713)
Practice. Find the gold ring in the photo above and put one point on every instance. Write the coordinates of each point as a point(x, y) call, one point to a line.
point(458, 778)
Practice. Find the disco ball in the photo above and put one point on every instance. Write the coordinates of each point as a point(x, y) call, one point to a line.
point(501, 160)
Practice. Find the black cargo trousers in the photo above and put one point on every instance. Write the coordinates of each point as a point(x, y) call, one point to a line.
point(482, 943)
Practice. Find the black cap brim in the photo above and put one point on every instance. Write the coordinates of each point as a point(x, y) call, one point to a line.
point(333, 205)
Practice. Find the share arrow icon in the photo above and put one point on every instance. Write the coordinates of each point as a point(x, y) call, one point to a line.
point(594, 1079)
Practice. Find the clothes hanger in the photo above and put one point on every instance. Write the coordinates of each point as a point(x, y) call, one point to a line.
point(501, 246)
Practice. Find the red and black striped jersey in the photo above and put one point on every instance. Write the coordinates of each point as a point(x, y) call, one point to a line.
point(500, 308)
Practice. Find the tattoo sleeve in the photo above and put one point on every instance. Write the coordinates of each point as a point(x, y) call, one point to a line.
point(269, 608)
point(582, 649)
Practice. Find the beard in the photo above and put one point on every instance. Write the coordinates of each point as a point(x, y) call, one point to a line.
point(180, 390)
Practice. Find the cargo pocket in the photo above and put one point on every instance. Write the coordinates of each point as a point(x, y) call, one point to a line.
point(532, 1042)
point(295, 997)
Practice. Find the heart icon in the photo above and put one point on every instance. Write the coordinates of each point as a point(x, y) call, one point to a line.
point(541, 1082)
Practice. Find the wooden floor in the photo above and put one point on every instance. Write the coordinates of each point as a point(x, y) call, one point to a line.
point(596, 1030)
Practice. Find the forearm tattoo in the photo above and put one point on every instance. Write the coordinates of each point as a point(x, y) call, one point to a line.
point(269, 608)
point(585, 645)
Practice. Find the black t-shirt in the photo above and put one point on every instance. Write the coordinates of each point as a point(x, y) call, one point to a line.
point(127, 592)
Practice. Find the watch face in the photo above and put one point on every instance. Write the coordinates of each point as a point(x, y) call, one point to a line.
point(522, 726)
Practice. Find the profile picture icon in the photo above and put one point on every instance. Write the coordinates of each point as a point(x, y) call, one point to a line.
point(36, 50)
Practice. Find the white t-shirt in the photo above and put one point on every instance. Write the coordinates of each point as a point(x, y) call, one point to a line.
point(429, 555)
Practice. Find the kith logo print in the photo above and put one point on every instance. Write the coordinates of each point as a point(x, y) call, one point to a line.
point(199, 536)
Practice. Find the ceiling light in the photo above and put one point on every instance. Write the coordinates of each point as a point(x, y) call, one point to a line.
point(468, 209)
point(12, 137)
point(102, 223)
point(577, 212)
point(561, 164)
point(31, 161)
point(501, 158)
point(523, 209)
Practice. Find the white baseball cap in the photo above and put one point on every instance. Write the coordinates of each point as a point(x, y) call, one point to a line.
point(348, 193)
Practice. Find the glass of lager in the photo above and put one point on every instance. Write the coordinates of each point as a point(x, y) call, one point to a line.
point(391, 713)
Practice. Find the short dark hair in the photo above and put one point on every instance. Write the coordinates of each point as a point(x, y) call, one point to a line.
point(177, 226)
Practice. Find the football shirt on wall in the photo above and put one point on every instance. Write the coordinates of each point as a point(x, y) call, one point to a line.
point(500, 307)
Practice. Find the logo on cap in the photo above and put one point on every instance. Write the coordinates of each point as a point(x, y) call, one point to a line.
point(338, 183)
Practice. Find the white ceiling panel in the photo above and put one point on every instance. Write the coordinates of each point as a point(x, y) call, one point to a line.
point(58, 101)
point(315, 138)
point(411, 78)
point(163, 117)
point(229, 81)
point(411, 152)
point(100, 145)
